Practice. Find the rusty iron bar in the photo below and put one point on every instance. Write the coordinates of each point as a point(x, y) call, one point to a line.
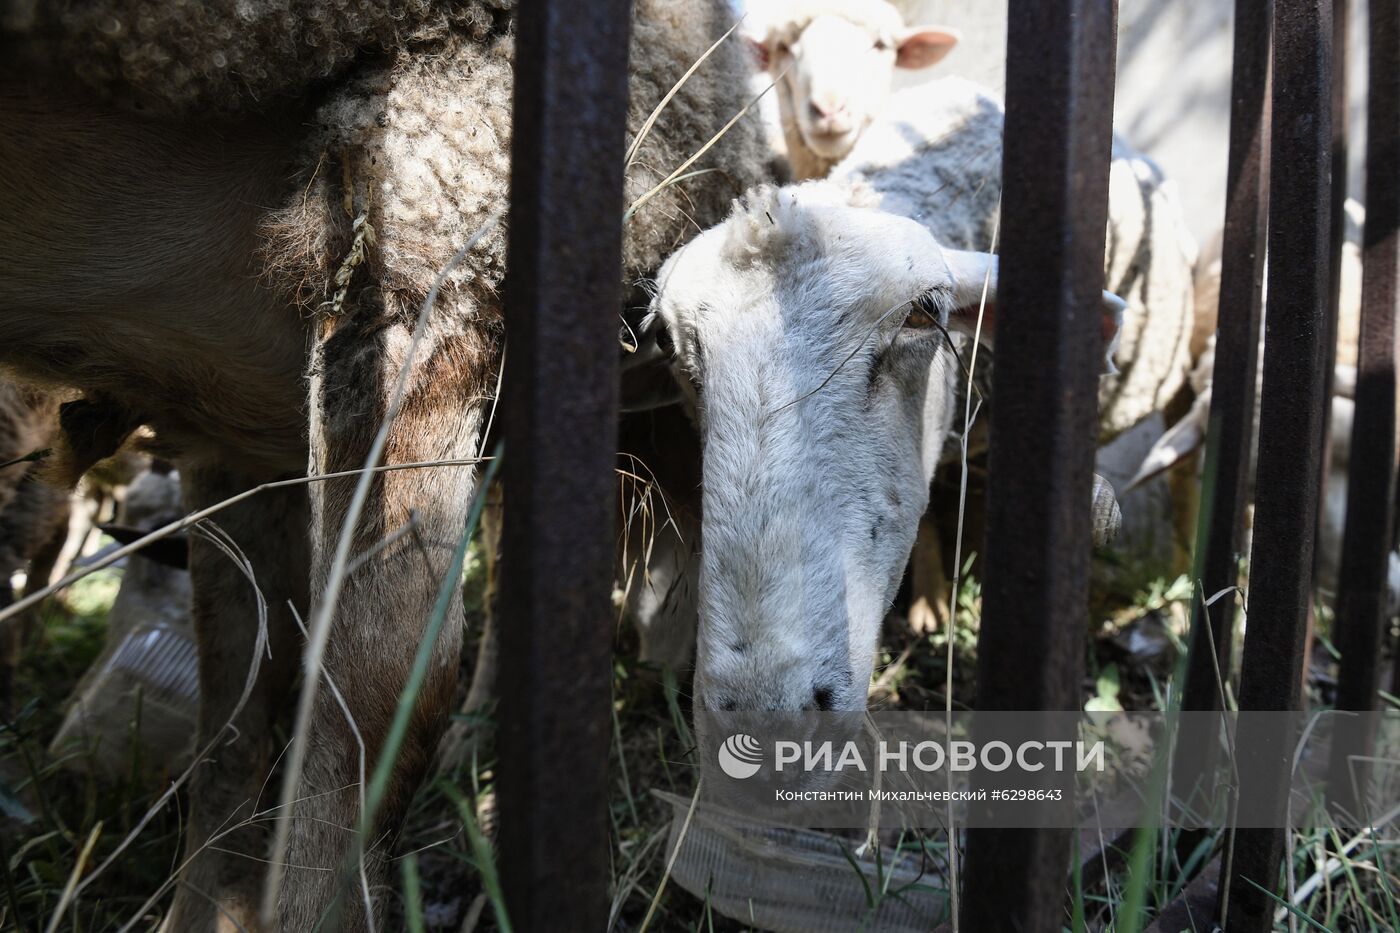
point(1341, 16)
point(1225, 482)
point(1288, 473)
point(1230, 430)
point(559, 408)
point(1340, 20)
point(1058, 138)
point(1363, 585)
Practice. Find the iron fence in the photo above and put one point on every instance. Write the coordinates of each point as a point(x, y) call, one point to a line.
point(560, 402)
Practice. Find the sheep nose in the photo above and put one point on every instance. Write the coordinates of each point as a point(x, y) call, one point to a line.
point(826, 107)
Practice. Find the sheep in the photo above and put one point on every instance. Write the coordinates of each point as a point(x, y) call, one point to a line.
point(934, 158)
point(807, 334)
point(822, 399)
point(914, 155)
point(832, 63)
point(210, 208)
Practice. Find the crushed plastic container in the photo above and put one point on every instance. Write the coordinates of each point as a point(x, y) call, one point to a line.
point(146, 689)
point(800, 880)
point(145, 683)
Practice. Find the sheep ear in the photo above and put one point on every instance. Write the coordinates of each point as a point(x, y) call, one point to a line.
point(648, 381)
point(923, 46)
point(974, 274)
point(759, 49)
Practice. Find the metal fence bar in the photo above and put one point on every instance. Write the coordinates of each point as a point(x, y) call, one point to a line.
point(1341, 16)
point(1225, 479)
point(559, 408)
point(1362, 586)
point(1229, 434)
point(1340, 19)
point(1290, 433)
point(1059, 114)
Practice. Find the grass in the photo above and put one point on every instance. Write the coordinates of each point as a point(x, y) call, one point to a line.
point(53, 812)
point(59, 821)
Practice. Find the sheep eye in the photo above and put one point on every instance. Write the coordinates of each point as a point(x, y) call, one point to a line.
point(881, 45)
point(919, 319)
point(664, 343)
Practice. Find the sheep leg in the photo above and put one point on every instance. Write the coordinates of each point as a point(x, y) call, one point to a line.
point(225, 859)
point(658, 567)
point(411, 526)
point(930, 590)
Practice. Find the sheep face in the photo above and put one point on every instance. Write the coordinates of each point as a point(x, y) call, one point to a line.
point(835, 71)
point(806, 333)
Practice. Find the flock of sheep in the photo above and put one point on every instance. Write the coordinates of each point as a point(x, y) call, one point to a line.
point(219, 223)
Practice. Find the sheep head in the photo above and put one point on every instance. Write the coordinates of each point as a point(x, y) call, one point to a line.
point(834, 63)
point(809, 334)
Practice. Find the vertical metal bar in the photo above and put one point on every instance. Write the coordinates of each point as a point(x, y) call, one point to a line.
point(1058, 139)
point(1290, 434)
point(1225, 483)
point(1229, 434)
point(1362, 586)
point(559, 405)
point(1340, 16)
point(1340, 23)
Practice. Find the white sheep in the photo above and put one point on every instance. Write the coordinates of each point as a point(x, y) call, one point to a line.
point(802, 332)
point(833, 65)
point(806, 333)
point(933, 158)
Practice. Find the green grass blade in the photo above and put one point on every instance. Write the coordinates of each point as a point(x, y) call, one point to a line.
point(482, 856)
point(412, 895)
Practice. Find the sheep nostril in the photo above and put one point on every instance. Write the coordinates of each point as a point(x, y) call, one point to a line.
point(824, 698)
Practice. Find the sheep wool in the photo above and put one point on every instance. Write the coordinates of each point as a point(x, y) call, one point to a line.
point(179, 55)
point(419, 146)
point(935, 156)
point(408, 149)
